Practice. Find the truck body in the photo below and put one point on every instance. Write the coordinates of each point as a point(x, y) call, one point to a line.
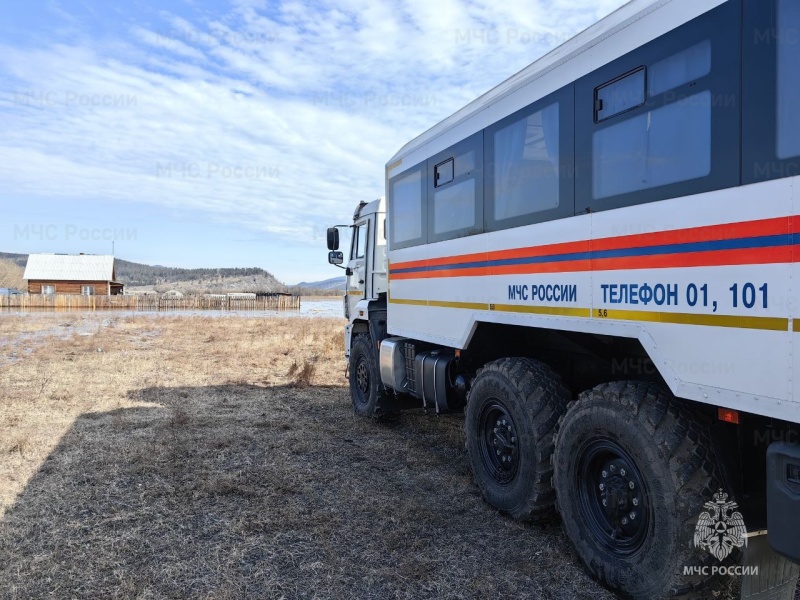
point(606, 236)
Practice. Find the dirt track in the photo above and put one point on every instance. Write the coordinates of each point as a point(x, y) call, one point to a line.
point(219, 458)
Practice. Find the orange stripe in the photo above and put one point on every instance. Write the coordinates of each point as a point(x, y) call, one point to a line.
point(708, 233)
point(775, 226)
point(718, 258)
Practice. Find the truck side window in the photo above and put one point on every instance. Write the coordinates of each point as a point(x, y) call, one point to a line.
point(669, 143)
point(526, 165)
point(406, 209)
point(359, 242)
point(788, 121)
point(455, 200)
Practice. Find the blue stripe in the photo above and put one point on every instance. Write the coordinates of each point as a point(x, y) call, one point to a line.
point(768, 241)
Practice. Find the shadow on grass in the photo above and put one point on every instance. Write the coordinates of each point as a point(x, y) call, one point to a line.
point(242, 491)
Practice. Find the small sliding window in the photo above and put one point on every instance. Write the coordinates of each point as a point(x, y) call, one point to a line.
point(456, 195)
point(620, 95)
point(443, 173)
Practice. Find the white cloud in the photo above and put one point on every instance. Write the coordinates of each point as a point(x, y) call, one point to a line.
point(274, 119)
point(166, 43)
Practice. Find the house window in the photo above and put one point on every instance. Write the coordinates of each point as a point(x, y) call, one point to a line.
point(87, 290)
point(48, 290)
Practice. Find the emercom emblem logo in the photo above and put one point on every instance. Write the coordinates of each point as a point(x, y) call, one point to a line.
point(720, 528)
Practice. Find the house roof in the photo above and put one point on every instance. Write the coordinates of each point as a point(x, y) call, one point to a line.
point(69, 267)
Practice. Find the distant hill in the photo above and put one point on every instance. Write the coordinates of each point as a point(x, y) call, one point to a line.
point(11, 274)
point(140, 277)
point(244, 279)
point(334, 284)
point(20, 259)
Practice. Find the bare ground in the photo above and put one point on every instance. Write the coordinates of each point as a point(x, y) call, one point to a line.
point(146, 457)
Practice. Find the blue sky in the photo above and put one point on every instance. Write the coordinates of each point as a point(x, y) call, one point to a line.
point(232, 133)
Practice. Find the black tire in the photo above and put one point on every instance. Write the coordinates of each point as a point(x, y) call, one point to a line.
point(512, 411)
point(653, 457)
point(366, 390)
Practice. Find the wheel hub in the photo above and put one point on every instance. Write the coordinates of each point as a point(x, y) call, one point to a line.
point(362, 377)
point(619, 493)
point(613, 497)
point(504, 440)
point(499, 445)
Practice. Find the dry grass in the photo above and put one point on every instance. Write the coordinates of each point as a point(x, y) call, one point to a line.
point(152, 457)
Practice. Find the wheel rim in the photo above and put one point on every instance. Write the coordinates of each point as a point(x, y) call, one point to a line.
point(362, 378)
point(498, 439)
point(613, 498)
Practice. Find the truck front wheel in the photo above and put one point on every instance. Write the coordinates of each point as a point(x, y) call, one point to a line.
point(366, 390)
point(512, 411)
point(632, 468)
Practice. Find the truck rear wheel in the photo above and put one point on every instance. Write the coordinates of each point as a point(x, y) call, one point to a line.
point(633, 467)
point(513, 408)
point(366, 389)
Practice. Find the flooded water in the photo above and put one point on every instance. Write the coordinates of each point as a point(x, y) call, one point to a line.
point(322, 308)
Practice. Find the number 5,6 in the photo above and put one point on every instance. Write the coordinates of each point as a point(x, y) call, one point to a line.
point(602, 313)
point(748, 295)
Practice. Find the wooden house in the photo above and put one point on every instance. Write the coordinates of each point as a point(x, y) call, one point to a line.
point(83, 274)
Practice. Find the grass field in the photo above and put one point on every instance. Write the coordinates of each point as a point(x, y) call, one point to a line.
point(201, 457)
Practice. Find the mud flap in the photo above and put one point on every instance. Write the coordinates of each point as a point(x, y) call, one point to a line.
point(776, 578)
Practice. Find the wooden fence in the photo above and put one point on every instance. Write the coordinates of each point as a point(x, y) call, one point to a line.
point(150, 302)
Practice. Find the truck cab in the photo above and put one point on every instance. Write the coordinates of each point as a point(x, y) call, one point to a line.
point(366, 265)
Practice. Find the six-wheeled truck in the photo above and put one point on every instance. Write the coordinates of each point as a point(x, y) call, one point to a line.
point(595, 262)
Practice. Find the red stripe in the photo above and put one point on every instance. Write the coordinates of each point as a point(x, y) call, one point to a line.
point(745, 229)
point(749, 256)
point(718, 258)
point(709, 233)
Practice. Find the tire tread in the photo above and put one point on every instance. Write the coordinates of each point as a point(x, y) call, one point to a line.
point(682, 437)
point(546, 400)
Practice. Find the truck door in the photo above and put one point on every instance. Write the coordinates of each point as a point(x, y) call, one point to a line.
point(357, 266)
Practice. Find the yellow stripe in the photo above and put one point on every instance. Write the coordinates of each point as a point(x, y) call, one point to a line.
point(440, 304)
point(544, 310)
point(796, 324)
point(408, 302)
point(468, 305)
point(763, 323)
point(766, 323)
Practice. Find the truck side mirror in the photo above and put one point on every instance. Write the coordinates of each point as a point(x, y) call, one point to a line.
point(335, 258)
point(333, 240)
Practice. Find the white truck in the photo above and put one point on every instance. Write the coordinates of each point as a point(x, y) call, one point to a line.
point(595, 262)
